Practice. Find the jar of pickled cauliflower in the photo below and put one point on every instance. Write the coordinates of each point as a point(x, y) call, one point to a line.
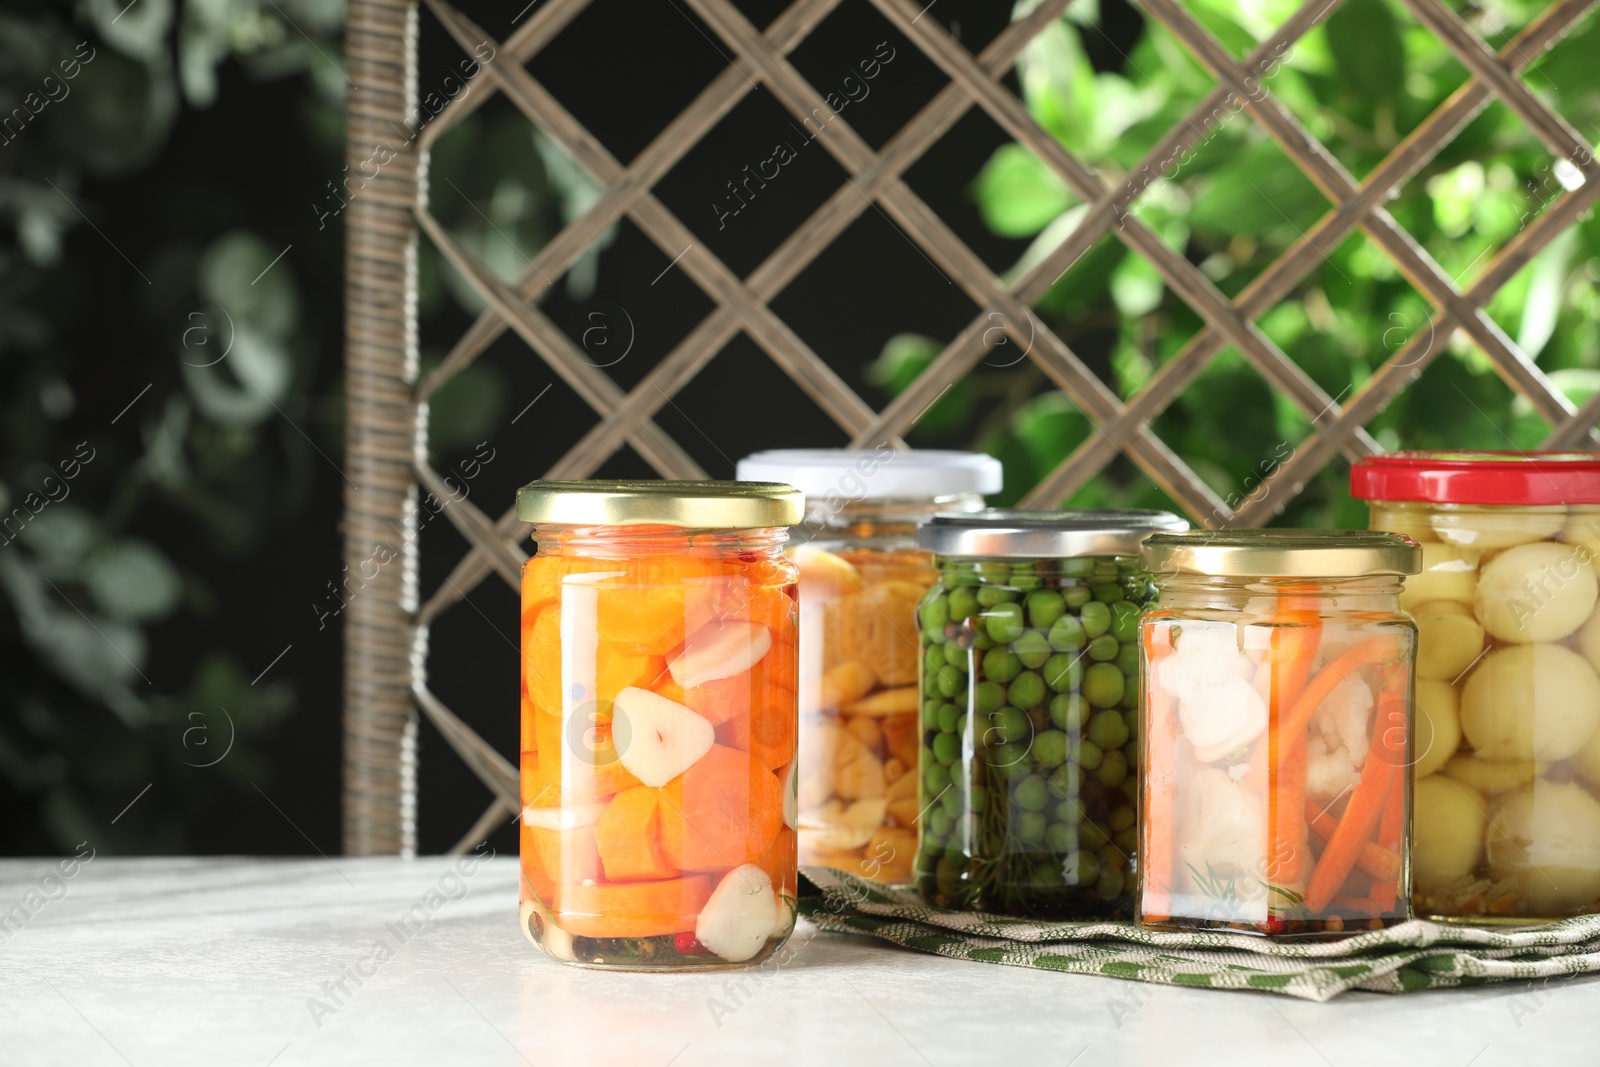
point(1508, 695)
point(1277, 671)
point(658, 722)
point(1029, 715)
point(861, 575)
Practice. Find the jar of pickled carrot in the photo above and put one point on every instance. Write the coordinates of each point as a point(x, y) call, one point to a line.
point(1029, 724)
point(861, 577)
point(658, 722)
point(1507, 823)
point(1277, 670)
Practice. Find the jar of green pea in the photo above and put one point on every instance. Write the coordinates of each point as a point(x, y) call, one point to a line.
point(1029, 702)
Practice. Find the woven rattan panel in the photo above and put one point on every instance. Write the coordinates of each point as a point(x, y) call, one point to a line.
point(386, 631)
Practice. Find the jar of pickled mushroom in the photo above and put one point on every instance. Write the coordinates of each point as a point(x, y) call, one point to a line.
point(1029, 771)
point(1507, 823)
point(1277, 671)
point(861, 576)
point(658, 722)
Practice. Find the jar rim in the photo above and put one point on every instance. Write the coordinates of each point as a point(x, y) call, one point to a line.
point(876, 473)
point(1468, 477)
point(1013, 533)
point(706, 505)
point(1281, 553)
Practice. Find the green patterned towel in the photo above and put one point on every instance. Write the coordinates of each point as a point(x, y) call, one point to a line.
point(1402, 959)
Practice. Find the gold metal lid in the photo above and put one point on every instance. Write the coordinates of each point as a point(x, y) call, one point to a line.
point(696, 505)
point(1281, 553)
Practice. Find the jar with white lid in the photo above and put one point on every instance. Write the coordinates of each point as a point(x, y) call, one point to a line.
point(861, 576)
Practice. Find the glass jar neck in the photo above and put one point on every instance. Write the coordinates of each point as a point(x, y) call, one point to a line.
point(833, 512)
point(627, 542)
point(1372, 593)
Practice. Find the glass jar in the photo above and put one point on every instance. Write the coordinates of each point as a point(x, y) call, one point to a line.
point(1277, 670)
point(861, 575)
point(658, 722)
point(1029, 710)
point(1508, 694)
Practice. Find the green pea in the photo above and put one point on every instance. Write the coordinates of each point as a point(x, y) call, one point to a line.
point(1045, 607)
point(1096, 618)
point(1130, 719)
point(992, 596)
point(1031, 793)
point(1013, 725)
point(1104, 648)
point(1109, 592)
point(1072, 813)
point(1112, 856)
point(1010, 762)
point(989, 696)
point(954, 854)
point(1093, 835)
point(1109, 885)
point(1065, 781)
point(1000, 665)
point(1068, 711)
point(1127, 840)
point(935, 777)
point(947, 716)
point(1026, 582)
point(933, 657)
point(947, 748)
point(1026, 691)
point(1004, 622)
point(935, 613)
point(1081, 868)
point(1029, 827)
point(953, 802)
point(1061, 837)
point(1124, 620)
point(1050, 749)
point(950, 681)
point(1108, 730)
point(949, 580)
point(1127, 660)
point(1121, 817)
point(1130, 694)
point(978, 801)
point(1063, 672)
point(1066, 635)
point(1102, 685)
point(955, 656)
point(1113, 769)
point(930, 682)
point(1045, 876)
point(981, 639)
point(932, 843)
point(930, 714)
point(963, 602)
point(1087, 755)
point(1032, 649)
point(941, 823)
point(1022, 567)
point(992, 570)
point(1077, 596)
point(1076, 567)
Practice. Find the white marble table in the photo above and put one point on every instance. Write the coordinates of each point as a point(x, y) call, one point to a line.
point(222, 962)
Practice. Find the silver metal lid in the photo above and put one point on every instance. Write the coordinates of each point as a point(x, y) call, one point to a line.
point(1013, 534)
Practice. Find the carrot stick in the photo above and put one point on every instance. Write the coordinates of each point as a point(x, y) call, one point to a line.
point(1160, 756)
point(1296, 633)
point(1390, 823)
point(1378, 775)
point(1374, 859)
point(1292, 725)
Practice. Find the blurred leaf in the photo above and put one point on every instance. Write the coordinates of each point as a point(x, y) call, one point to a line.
point(132, 580)
point(905, 357)
point(1017, 194)
point(1545, 288)
point(1365, 40)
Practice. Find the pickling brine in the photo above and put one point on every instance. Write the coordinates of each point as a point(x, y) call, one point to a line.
point(1277, 706)
point(658, 726)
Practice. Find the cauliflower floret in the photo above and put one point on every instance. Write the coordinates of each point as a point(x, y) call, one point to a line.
point(1222, 828)
point(1209, 681)
point(1339, 739)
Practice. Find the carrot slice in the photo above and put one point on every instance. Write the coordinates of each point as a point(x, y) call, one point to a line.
point(566, 855)
point(576, 763)
point(1296, 633)
point(541, 660)
point(658, 601)
point(627, 836)
point(1377, 861)
point(781, 862)
point(721, 812)
point(1293, 724)
point(632, 909)
point(726, 698)
point(536, 881)
point(1390, 825)
point(530, 722)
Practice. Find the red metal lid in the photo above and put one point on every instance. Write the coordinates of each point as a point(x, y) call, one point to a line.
point(1479, 477)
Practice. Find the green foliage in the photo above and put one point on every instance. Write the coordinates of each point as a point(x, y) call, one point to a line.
point(1235, 202)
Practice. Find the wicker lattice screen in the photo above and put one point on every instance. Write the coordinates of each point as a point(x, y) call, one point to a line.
point(387, 629)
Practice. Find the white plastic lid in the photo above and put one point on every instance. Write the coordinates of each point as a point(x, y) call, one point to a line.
point(874, 473)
